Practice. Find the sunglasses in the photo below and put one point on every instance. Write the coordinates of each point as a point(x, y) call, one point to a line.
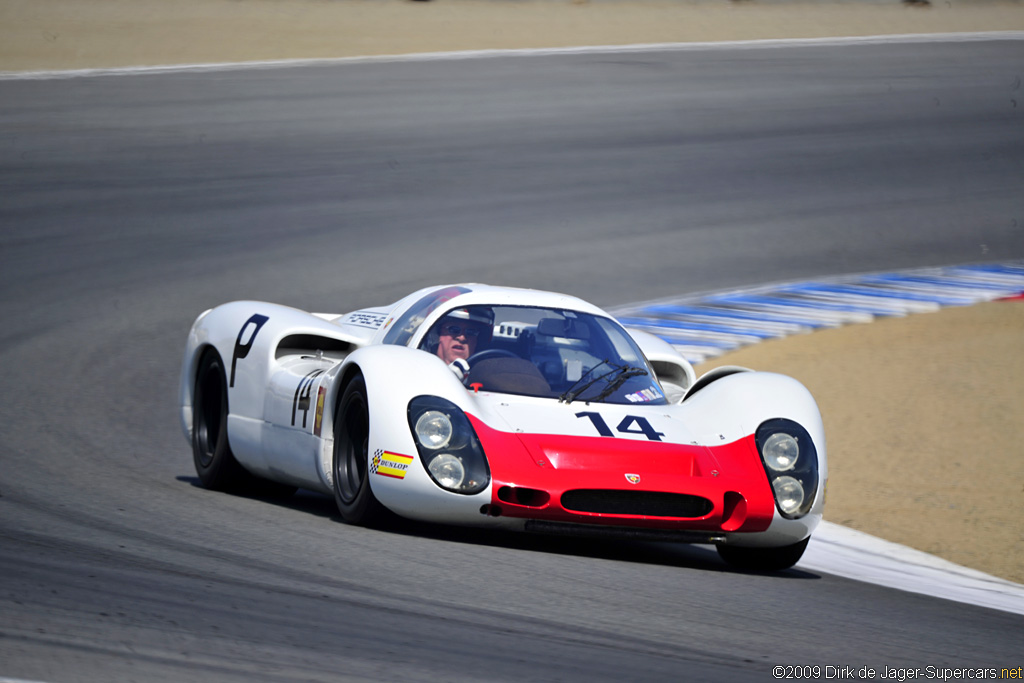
point(456, 330)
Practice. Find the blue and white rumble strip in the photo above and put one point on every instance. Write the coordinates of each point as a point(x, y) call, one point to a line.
point(705, 326)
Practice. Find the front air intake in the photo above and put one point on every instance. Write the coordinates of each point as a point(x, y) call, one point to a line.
point(640, 503)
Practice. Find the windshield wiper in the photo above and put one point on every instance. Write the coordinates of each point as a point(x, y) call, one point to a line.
point(572, 392)
point(624, 372)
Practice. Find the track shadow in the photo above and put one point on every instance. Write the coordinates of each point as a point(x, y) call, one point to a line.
point(688, 556)
point(300, 501)
point(683, 555)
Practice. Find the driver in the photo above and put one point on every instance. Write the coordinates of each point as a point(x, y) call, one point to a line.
point(462, 332)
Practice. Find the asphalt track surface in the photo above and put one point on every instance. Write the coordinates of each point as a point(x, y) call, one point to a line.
point(129, 204)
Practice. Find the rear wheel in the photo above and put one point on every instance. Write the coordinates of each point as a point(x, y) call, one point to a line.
point(215, 463)
point(763, 559)
point(352, 491)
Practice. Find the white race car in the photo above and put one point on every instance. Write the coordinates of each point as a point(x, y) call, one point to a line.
point(492, 406)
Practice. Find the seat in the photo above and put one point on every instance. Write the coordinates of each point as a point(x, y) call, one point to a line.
point(510, 376)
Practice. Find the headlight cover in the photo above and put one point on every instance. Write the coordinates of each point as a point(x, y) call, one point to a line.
point(791, 463)
point(780, 451)
point(449, 448)
point(433, 429)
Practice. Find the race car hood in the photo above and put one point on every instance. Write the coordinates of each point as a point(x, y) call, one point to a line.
point(548, 456)
point(589, 441)
point(527, 415)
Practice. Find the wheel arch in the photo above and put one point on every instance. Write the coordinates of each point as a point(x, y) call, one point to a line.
point(735, 404)
point(189, 375)
point(712, 376)
point(394, 375)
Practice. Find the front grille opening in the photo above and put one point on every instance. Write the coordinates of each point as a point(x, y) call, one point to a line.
point(518, 495)
point(642, 503)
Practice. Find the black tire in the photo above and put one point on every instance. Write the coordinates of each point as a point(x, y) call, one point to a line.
point(351, 462)
point(763, 559)
point(215, 463)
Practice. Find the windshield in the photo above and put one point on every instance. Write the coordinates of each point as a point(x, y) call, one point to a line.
point(405, 327)
point(544, 352)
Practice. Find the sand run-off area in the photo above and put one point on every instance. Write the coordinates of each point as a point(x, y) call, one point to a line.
point(73, 34)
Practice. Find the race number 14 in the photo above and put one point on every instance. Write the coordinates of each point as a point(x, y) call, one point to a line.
point(631, 424)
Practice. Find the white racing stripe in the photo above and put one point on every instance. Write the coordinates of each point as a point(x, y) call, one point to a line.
point(533, 52)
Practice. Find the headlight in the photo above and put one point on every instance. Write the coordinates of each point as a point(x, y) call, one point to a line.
point(447, 470)
point(791, 463)
point(448, 446)
point(789, 493)
point(780, 452)
point(433, 429)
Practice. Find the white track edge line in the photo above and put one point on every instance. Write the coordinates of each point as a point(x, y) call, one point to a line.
point(856, 555)
point(769, 43)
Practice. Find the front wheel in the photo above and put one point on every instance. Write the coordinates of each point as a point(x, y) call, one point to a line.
point(763, 559)
point(350, 469)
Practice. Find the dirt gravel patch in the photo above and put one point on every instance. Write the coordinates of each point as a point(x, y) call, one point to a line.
point(77, 34)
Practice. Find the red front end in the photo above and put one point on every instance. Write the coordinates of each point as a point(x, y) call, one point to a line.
point(609, 481)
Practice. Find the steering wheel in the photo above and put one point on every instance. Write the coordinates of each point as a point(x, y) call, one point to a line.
point(489, 353)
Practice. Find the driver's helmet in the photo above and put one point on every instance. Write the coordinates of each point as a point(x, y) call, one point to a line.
point(482, 315)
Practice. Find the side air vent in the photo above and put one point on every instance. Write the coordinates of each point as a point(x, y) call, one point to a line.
point(309, 344)
point(642, 503)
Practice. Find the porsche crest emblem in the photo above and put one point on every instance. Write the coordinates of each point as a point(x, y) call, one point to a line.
point(633, 478)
